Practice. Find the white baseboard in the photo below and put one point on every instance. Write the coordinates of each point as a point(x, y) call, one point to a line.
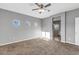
point(70, 43)
point(18, 41)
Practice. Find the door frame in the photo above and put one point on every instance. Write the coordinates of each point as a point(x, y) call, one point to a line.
point(75, 30)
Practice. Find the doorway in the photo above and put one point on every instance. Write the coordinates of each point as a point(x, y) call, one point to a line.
point(57, 28)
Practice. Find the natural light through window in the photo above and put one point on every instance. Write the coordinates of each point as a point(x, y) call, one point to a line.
point(43, 34)
point(46, 35)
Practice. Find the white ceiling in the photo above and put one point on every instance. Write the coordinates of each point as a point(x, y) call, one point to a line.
point(26, 8)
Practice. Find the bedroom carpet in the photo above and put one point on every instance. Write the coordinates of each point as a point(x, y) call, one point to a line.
point(39, 47)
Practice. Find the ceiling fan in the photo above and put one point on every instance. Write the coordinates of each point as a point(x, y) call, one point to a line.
point(41, 7)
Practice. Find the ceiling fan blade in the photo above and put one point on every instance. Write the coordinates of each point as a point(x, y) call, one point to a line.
point(48, 5)
point(42, 6)
point(35, 9)
point(37, 4)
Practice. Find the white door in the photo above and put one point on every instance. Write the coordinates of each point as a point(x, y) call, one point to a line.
point(77, 31)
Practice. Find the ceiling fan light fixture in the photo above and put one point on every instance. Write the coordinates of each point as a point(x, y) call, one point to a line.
point(41, 10)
